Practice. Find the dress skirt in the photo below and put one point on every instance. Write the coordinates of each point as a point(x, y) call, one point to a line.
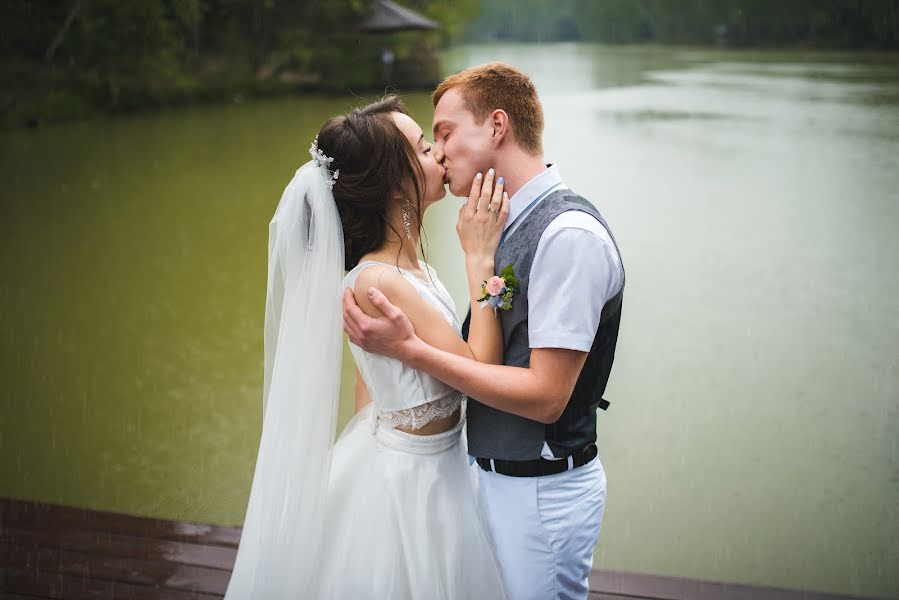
point(402, 519)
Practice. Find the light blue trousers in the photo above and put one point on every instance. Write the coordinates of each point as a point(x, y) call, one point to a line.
point(544, 529)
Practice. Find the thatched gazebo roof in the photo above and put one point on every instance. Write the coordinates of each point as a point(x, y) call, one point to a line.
point(387, 16)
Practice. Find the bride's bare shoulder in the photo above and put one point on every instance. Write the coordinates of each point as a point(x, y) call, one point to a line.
point(390, 281)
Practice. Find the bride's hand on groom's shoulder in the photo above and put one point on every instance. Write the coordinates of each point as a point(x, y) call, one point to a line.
point(482, 217)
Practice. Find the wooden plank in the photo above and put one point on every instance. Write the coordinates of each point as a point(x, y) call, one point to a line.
point(601, 596)
point(662, 587)
point(58, 585)
point(22, 514)
point(112, 544)
point(137, 571)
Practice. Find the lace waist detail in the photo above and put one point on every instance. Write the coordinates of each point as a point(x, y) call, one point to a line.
point(419, 416)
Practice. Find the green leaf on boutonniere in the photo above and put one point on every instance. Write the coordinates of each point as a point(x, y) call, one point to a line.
point(508, 274)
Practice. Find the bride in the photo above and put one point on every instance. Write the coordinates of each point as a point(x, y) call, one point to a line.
point(389, 510)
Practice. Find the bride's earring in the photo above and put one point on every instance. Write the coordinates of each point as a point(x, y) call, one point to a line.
point(407, 221)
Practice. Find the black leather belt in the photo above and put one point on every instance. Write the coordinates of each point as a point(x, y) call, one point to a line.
point(540, 466)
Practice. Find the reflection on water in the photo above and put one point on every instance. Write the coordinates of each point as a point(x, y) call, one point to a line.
point(754, 423)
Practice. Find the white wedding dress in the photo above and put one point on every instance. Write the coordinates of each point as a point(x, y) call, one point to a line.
point(401, 517)
point(379, 513)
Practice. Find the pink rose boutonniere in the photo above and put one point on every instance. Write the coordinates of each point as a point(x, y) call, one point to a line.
point(499, 290)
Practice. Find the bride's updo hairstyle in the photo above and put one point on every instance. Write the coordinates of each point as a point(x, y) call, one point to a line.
point(378, 166)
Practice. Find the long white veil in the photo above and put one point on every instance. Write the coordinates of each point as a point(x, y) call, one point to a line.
point(303, 350)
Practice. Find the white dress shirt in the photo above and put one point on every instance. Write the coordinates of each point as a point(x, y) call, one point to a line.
point(576, 270)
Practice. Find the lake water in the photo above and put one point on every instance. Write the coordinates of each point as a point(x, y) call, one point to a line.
point(755, 398)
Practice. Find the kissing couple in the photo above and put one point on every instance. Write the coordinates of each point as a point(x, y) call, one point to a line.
point(405, 505)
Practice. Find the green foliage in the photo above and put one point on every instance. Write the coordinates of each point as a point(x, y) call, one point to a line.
point(64, 59)
point(818, 23)
point(525, 20)
point(453, 16)
point(124, 44)
point(821, 23)
point(508, 274)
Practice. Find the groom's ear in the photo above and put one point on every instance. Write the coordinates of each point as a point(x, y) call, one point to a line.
point(500, 122)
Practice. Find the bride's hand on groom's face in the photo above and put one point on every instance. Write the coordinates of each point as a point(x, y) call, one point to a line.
point(391, 335)
point(482, 217)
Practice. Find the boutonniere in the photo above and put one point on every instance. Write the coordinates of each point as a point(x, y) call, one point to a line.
point(499, 290)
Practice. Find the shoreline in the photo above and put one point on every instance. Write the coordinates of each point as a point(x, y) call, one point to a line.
point(42, 96)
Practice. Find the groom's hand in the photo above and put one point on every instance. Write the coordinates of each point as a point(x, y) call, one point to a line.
point(391, 335)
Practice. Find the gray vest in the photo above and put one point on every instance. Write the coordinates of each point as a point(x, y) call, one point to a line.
point(496, 434)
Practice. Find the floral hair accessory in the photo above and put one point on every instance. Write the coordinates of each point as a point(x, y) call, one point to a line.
point(499, 290)
point(323, 161)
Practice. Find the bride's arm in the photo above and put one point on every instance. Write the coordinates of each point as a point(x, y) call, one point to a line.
point(479, 232)
point(363, 398)
point(433, 328)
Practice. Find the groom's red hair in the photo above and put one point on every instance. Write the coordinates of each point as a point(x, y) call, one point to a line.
point(488, 87)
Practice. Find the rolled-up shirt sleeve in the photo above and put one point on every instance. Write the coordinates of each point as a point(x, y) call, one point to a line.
point(576, 270)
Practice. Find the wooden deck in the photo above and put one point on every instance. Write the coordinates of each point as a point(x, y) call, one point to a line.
point(49, 551)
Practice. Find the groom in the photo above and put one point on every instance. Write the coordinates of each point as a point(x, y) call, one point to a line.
point(532, 429)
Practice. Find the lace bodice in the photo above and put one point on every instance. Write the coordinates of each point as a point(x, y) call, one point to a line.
point(419, 416)
point(404, 397)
